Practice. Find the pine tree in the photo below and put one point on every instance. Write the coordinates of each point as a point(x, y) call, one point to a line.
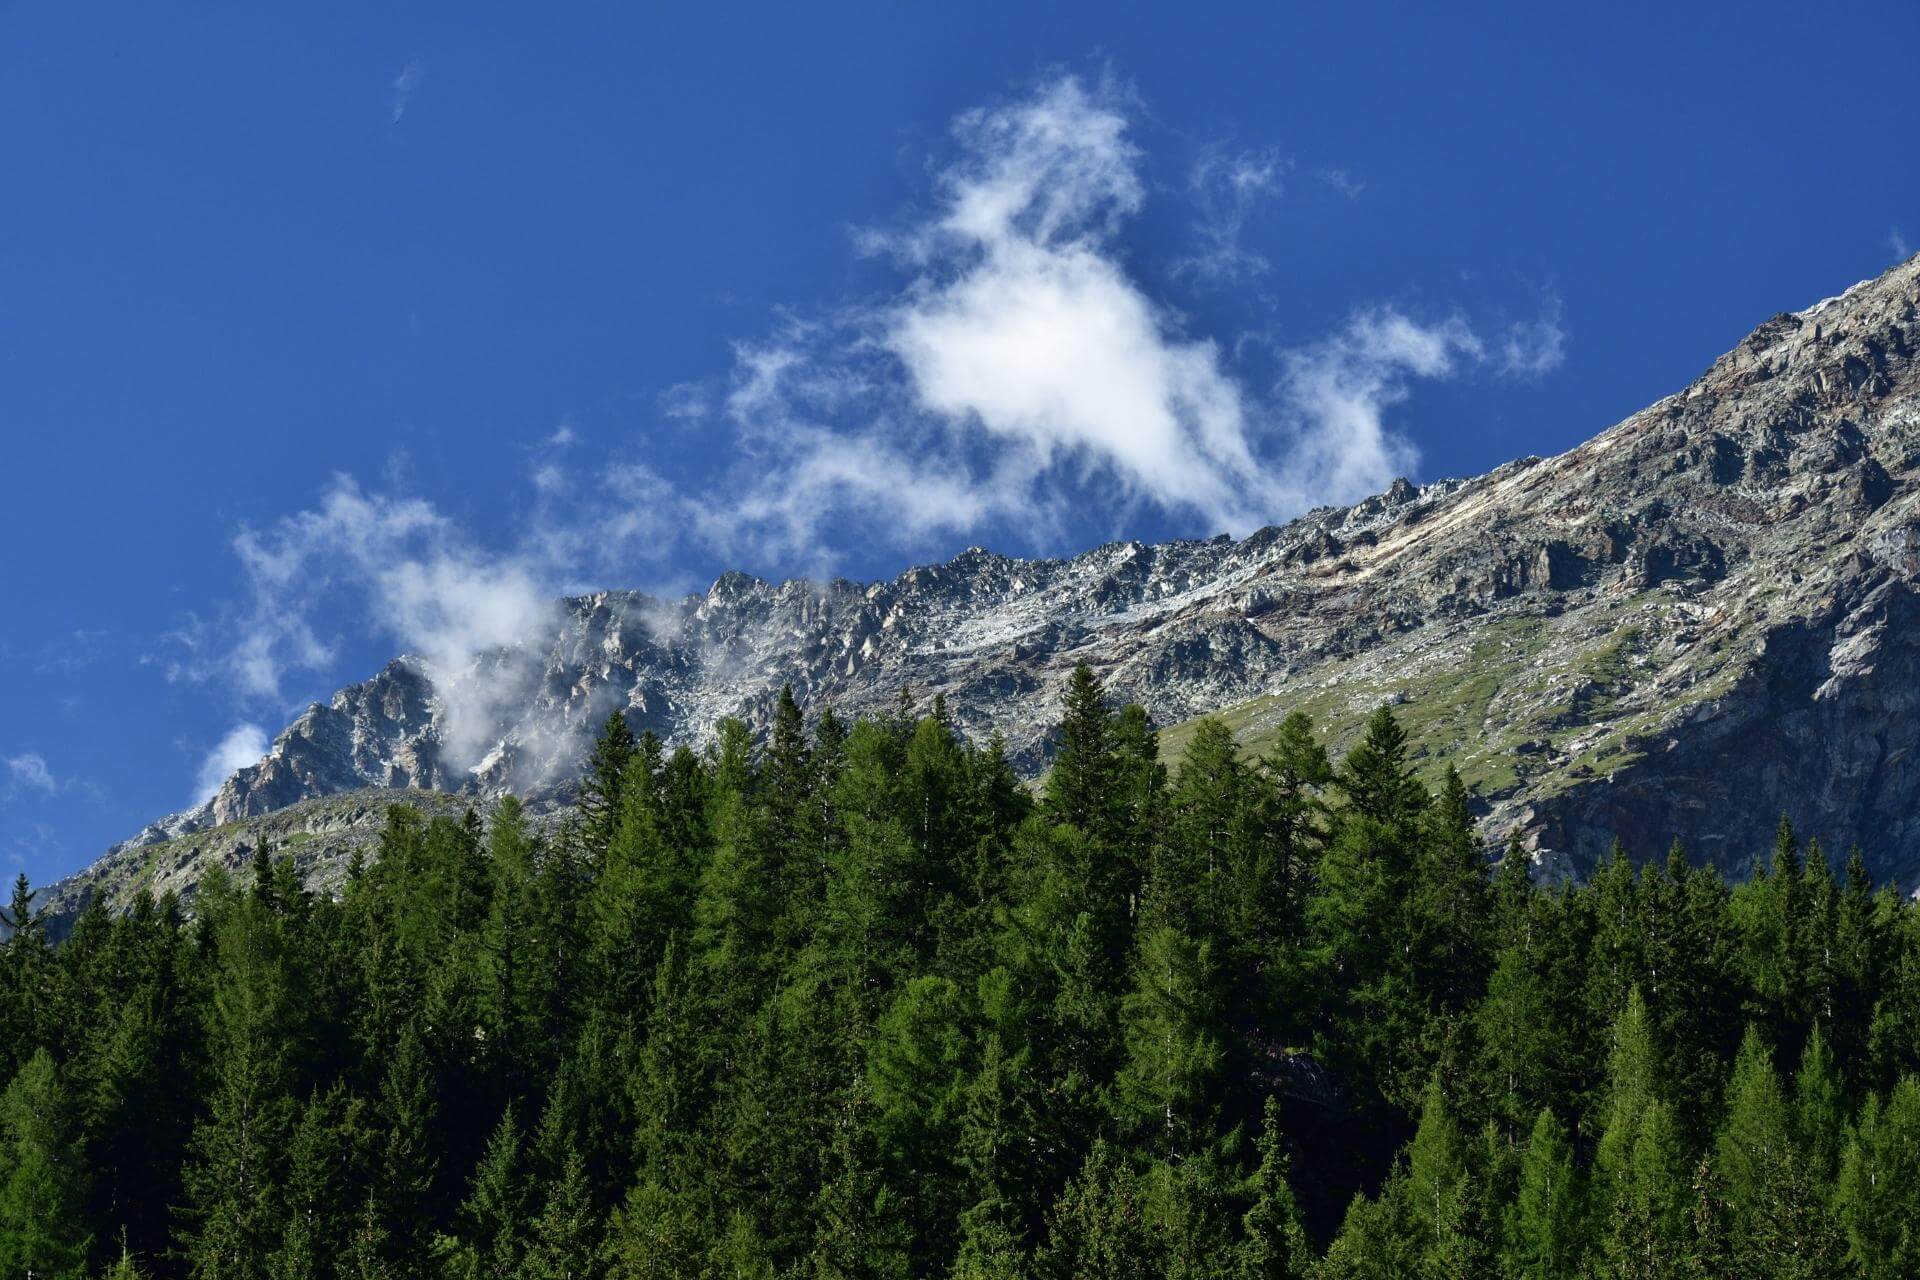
point(517, 989)
point(1297, 771)
point(1452, 903)
point(1195, 882)
point(1820, 1112)
point(1632, 1088)
point(1878, 1198)
point(999, 1126)
point(1081, 789)
point(1375, 1241)
point(741, 1252)
point(42, 1179)
point(234, 1181)
point(564, 1243)
point(600, 789)
point(26, 971)
point(1650, 1192)
point(656, 1234)
point(1099, 1229)
point(988, 1250)
point(1167, 1090)
point(1778, 1222)
point(493, 1220)
point(1273, 1243)
point(860, 1231)
point(407, 1162)
point(125, 1267)
point(1436, 1185)
point(326, 1178)
point(1542, 1235)
point(1377, 777)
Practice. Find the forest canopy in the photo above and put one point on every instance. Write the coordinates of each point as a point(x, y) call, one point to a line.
point(853, 1002)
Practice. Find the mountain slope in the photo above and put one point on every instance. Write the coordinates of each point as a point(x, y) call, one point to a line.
point(1695, 621)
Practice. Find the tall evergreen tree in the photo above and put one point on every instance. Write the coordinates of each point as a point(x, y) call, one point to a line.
point(1082, 787)
point(1878, 1199)
point(42, 1179)
point(601, 788)
point(234, 1182)
point(1542, 1234)
point(1273, 1242)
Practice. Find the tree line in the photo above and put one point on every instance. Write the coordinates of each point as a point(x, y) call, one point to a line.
point(853, 1002)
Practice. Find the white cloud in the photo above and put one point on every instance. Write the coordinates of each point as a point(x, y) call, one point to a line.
point(1342, 182)
point(1227, 187)
point(1531, 348)
point(549, 479)
point(28, 771)
point(1898, 243)
point(415, 575)
point(404, 85)
point(1339, 391)
point(562, 437)
point(243, 745)
point(1022, 362)
point(1019, 378)
point(686, 401)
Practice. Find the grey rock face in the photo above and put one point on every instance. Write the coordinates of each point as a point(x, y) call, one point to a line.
point(1701, 618)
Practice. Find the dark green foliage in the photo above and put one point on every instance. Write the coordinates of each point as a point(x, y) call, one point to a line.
point(42, 1179)
point(849, 1002)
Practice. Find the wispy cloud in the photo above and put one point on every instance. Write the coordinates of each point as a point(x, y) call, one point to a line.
point(1533, 348)
point(1343, 182)
point(1022, 363)
point(244, 744)
point(404, 86)
point(1226, 187)
point(1018, 377)
point(73, 653)
point(1898, 243)
point(28, 771)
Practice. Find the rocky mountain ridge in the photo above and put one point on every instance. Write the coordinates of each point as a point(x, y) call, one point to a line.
point(1698, 619)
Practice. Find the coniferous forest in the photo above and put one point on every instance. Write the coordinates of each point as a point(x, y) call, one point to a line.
point(853, 1002)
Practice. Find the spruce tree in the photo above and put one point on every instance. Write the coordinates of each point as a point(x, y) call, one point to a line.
point(234, 1180)
point(1167, 1090)
point(600, 789)
point(1542, 1235)
point(43, 1181)
point(1082, 787)
point(1650, 1194)
point(1273, 1243)
point(1778, 1222)
point(1878, 1198)
point(564, 1243)
point(1377, 777)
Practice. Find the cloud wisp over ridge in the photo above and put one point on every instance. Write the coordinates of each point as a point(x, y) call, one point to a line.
point(1023, 360)
point(1020, 371)
point(244, 744)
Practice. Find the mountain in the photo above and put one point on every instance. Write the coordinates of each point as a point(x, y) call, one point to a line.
point(1701, 618)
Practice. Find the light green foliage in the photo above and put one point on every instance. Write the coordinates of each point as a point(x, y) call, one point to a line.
point(844, 1000)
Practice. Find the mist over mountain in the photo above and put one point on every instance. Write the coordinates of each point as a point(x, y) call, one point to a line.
point(1698, 620)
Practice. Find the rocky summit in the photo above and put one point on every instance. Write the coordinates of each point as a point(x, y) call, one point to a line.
point(1704, 617)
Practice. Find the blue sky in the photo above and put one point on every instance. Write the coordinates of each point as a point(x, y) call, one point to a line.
point(324, 337)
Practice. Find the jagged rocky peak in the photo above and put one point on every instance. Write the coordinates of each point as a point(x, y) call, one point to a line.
point(1699, 618)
